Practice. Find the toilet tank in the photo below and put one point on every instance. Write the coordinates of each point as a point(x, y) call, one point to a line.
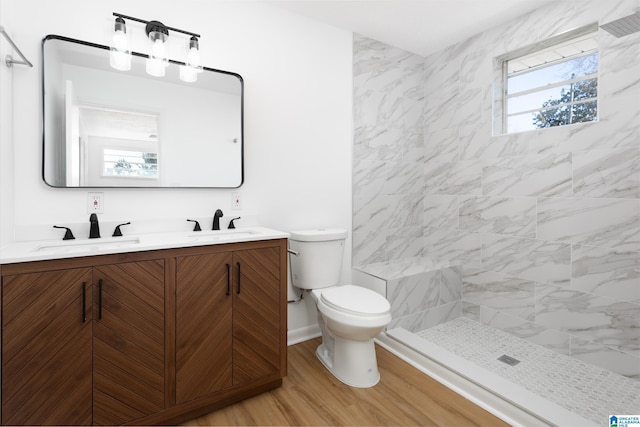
point(317, 261)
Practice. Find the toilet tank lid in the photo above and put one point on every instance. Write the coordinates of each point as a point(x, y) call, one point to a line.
point(318, 235)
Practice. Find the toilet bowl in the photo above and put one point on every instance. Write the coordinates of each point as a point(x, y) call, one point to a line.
point(349, 316)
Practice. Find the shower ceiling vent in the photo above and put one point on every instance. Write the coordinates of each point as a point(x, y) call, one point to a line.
point(623, 26)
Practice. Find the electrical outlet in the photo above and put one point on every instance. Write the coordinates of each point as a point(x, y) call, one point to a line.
point(235, 200)
point(95, 202)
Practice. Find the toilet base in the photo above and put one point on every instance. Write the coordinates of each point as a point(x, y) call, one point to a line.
point(352, 362)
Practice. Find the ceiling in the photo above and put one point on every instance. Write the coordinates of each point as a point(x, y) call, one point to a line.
point(418, 26)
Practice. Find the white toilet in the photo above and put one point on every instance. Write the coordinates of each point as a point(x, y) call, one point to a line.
point(349, 316)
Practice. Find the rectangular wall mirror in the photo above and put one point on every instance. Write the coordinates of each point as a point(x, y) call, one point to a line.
point(108, 128)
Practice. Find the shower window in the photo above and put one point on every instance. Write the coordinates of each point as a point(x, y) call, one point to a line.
point(554, 83)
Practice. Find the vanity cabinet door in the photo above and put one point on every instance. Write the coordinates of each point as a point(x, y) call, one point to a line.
point(256, 313)
point(46, 348)
point(203, 325)
point(128, 343)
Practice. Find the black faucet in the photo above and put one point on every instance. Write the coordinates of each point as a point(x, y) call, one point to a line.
point(94, 231)
point(216, 220)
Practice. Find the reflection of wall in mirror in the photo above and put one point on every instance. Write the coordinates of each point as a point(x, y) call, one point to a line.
point(196, 144)
point(54, 104)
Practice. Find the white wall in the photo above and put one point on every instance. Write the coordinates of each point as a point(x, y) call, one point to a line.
point(297, 76)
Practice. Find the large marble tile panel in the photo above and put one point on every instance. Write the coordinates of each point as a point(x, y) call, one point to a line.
point(413, 149)
point(413, 78)
point(463, 177)
point(453, 245)
point(605, 357)
point(428, 318)
point(378, 144)
point(450, 284)
point(387, 212)
point(470, 311)
point(372, 56)
point(440, 211)
point(607, 173)
point(531, 259)
point(616, 127)
point(613, 223)
point(539, 175)
point(538, 334)
point(413, 113)
point(441, 70)
point(500, 292)
point(369, 178)
point(373, 108)
point(619, 63)
point(476, 142)
point(441, 146)
point(413, 294)
point(403, 178)
point(591, 317)
point(606, 272)
point(500, 215)
point(368, 247)
point(440, 110)
point(469, 102)
point(404, 242)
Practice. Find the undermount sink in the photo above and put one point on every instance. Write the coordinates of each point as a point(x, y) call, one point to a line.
point(220, 235)
point(88, 245)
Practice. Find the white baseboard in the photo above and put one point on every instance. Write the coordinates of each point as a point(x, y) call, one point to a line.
point(299, 335)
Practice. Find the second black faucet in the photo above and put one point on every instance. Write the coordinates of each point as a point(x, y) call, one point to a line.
point(94, 231)
point(216, 220)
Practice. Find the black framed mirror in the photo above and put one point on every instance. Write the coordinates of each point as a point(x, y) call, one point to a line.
point(108, 128)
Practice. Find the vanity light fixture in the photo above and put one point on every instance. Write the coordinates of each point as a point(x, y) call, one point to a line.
point(157, 60)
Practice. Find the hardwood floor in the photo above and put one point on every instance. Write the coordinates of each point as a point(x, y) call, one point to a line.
point(311, 396)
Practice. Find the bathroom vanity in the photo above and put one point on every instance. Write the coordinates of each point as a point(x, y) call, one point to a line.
point(157, 331)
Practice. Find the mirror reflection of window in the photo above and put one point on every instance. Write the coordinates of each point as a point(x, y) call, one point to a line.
point(130, 164)
point(117, 147)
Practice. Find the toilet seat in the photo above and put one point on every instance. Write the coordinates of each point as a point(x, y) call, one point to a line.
point(355, 301)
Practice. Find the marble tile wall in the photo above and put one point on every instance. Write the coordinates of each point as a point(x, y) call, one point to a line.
point(389, 152)
point(546, 223)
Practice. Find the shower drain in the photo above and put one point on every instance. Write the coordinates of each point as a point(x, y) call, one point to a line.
point(508, 360)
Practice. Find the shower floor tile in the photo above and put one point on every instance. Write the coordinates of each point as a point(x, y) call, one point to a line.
point(584, 389)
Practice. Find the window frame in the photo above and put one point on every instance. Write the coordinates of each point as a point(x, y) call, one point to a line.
point(501, 65)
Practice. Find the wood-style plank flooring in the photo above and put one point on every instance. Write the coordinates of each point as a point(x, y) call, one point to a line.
point(311, 396)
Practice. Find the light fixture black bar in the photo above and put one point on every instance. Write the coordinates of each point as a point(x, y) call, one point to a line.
point(146, 22)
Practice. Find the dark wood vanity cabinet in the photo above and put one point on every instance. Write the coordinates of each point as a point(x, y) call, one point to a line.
point(142, 338)
point(46, 348)
point(227, 320)
point(128, 341)
point(83, 346)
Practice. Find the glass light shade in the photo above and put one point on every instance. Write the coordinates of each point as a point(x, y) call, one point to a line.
point(120, 60)
point(188, 74)
point(120, 57)
point(193, 58)
point(155, 67)
point(157, 60)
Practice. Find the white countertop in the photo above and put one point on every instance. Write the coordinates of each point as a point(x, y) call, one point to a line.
point(39, 250)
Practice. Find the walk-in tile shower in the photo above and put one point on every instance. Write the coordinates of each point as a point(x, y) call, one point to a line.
point(534, 235)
